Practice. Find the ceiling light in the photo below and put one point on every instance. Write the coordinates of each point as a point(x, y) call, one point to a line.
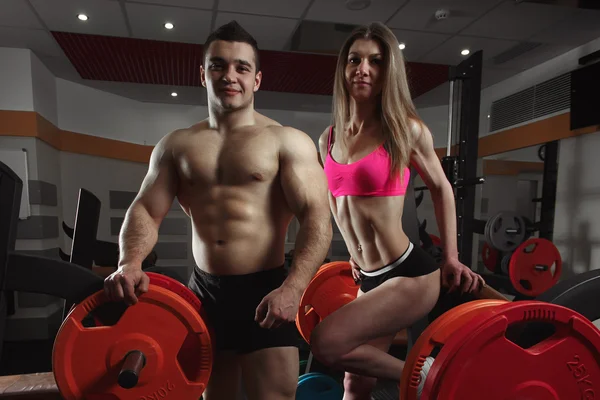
point(465, 52)
point(82, 17)
point(402, 46)
point(174, 94)
point(169, 25)
point(356, 5)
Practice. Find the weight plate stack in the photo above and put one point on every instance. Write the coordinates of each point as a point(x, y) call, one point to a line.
point(505, 231)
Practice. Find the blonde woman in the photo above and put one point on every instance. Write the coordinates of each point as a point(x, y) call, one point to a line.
point(366, 155)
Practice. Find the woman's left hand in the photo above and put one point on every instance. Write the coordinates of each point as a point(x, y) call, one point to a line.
point(456, 275)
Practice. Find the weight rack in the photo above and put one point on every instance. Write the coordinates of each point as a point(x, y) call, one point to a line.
point(461, 169)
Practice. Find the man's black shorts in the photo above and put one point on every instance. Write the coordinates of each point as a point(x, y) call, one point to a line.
point(230, 303)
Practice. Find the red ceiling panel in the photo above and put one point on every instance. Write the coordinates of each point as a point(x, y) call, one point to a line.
point(119, 59)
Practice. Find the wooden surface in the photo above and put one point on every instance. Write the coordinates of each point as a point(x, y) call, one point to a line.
point(30, 387)
point(489, 292)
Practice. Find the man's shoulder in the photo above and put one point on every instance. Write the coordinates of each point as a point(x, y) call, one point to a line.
point(287, 133)
point(180, 134)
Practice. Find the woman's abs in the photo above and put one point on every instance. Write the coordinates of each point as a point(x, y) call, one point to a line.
point(372, 229)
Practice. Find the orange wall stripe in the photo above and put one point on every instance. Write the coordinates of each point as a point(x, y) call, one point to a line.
point(18, 123)
point(534, 133)
point(47, 132)
point(507, 167)
point(102, 147)
point(31, 124)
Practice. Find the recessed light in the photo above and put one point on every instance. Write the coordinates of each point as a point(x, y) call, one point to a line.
point(465, 52)
point(82, 17)
point(169, 25)
point(174, 94)
point(402, 46)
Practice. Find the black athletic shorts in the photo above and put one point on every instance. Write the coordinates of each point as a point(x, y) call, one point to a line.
point(230, 302)
point(414, 262)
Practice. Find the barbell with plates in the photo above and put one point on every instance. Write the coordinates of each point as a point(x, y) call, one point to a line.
point(505, 231)
point(159, 347)
point(475, 337)
point(433, 337)
point(533, 267)
point(565, 365)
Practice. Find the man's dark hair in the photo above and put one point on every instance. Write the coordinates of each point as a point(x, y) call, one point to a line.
point(233, 32)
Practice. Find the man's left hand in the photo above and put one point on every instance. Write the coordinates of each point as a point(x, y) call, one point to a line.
point(278, 307)
point(456, 275)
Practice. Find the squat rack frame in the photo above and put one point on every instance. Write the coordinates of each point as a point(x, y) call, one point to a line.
point(461, 169)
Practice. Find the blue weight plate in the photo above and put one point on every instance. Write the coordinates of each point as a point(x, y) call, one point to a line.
point(318, 386)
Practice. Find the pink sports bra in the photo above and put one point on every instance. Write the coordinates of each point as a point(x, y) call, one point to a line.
point(369, 176)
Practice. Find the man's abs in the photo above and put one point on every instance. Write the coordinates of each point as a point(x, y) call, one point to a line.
point(237, 231)
point(228, 183)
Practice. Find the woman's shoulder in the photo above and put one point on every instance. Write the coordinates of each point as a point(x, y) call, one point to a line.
point(324, 137)
point(416, 129)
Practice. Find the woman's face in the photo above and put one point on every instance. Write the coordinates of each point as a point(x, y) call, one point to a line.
point(364, 70)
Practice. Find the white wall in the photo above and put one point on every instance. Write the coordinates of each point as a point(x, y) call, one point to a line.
point(93, 112)
point(44, 90)
point(16, 91)
point(86, 110)
point(577, 216)
point(436, 119)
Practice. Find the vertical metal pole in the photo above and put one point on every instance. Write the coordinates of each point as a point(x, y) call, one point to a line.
point(470, 74)
point(549, 190)
point(450, 118)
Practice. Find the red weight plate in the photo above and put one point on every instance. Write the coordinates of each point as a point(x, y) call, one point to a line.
point(479, 361)
point(175, 286)
point(163, 326)
point(435, 335)
point(186, 293)
point(489, 256)
point(435, 239)
point(530, 266)
point(330, 288)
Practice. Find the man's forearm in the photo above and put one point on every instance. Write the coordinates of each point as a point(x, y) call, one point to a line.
point(445, 213)
point(312, 244)
point(138, 236)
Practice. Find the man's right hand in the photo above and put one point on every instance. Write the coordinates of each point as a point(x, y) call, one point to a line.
point(126, 283)
point(355, 271)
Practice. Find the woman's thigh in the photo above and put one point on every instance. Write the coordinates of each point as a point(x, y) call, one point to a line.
point(382, 312)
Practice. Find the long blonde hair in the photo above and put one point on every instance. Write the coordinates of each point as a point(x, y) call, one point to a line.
point(395, 106)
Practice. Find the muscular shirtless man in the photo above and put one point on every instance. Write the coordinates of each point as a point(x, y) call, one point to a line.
point(241, 177)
